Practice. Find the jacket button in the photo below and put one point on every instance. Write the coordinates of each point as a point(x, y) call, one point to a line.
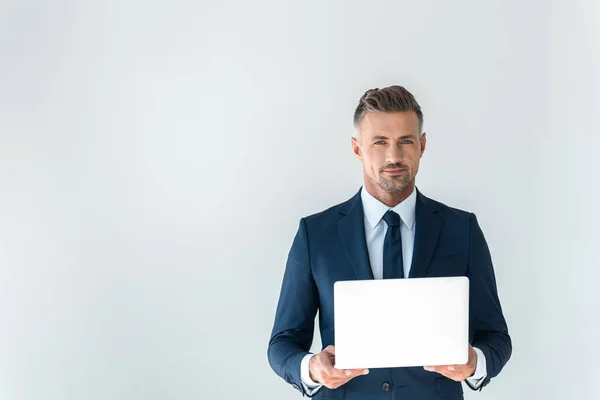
point(385, 387)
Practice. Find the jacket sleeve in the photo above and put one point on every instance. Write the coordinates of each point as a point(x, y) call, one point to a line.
point(487, 328)
point(293, 329)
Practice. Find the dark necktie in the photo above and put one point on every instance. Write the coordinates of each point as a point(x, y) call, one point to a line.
point(392, 247)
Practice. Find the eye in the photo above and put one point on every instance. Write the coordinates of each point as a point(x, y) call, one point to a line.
point(407, 141)
point(379, 142)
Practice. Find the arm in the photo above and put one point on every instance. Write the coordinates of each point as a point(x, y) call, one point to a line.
point(487, 324)
point(293, 328)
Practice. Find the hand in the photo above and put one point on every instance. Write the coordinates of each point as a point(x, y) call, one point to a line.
point(457, 373)
point(321, 370)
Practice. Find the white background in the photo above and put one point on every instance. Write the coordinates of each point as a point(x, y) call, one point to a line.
point(155, 159)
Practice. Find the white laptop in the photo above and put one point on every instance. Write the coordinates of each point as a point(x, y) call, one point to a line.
point(401, 322)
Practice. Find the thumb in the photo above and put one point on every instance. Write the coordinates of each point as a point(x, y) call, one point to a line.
point(330, 350)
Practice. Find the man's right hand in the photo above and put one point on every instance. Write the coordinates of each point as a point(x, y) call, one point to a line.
point(321, 370)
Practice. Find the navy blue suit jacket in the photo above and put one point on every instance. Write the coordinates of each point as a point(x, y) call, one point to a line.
point(330, 246)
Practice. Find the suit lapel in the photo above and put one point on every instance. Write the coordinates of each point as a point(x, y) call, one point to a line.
point(352, 233)
point(428, 224)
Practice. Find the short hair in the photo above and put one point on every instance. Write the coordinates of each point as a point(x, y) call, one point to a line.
point(389, 99)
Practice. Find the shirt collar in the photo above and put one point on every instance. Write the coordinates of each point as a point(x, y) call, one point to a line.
point(375, 209)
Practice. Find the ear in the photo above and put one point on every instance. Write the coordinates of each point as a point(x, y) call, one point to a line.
point(356, 148)
point(423, 143)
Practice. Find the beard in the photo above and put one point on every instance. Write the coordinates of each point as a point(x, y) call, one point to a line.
point(393, 184)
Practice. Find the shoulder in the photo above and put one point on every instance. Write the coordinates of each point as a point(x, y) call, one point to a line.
point(333, 213)
point(444, 210)
point(329, 217)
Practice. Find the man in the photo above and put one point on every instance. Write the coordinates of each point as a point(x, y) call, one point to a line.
point(389, 229)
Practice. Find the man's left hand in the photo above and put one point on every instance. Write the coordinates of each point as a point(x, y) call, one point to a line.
point(457, 373)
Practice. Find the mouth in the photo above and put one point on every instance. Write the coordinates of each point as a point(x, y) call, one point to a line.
point(395, 171)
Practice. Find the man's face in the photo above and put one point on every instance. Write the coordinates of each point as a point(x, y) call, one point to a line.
point(390, 148)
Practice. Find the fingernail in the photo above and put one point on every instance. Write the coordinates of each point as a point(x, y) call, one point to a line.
point(348, 373)
point(430, 369)
point(450, 368)
point(366, 371)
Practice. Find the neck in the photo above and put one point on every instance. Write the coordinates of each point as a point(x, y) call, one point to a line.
point(390, 199)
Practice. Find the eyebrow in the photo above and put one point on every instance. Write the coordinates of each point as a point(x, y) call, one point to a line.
point(379, 137)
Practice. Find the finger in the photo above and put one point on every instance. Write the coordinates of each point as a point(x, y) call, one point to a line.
point(444, 371)
point(330, 350)
point(345, 373)
point(350, 377)
point(333, 372)
point(351, 373)
point(326, 364)
point(438, 368)
point(459, 369)
point(341, 373)
point(336, 385)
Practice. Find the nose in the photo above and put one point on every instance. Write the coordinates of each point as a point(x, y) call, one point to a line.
point(394, 154)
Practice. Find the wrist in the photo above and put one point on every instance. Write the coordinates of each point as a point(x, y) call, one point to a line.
point(311, 362)
point(473, 363)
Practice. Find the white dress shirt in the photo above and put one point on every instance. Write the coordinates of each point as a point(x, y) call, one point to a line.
point(375, 230)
